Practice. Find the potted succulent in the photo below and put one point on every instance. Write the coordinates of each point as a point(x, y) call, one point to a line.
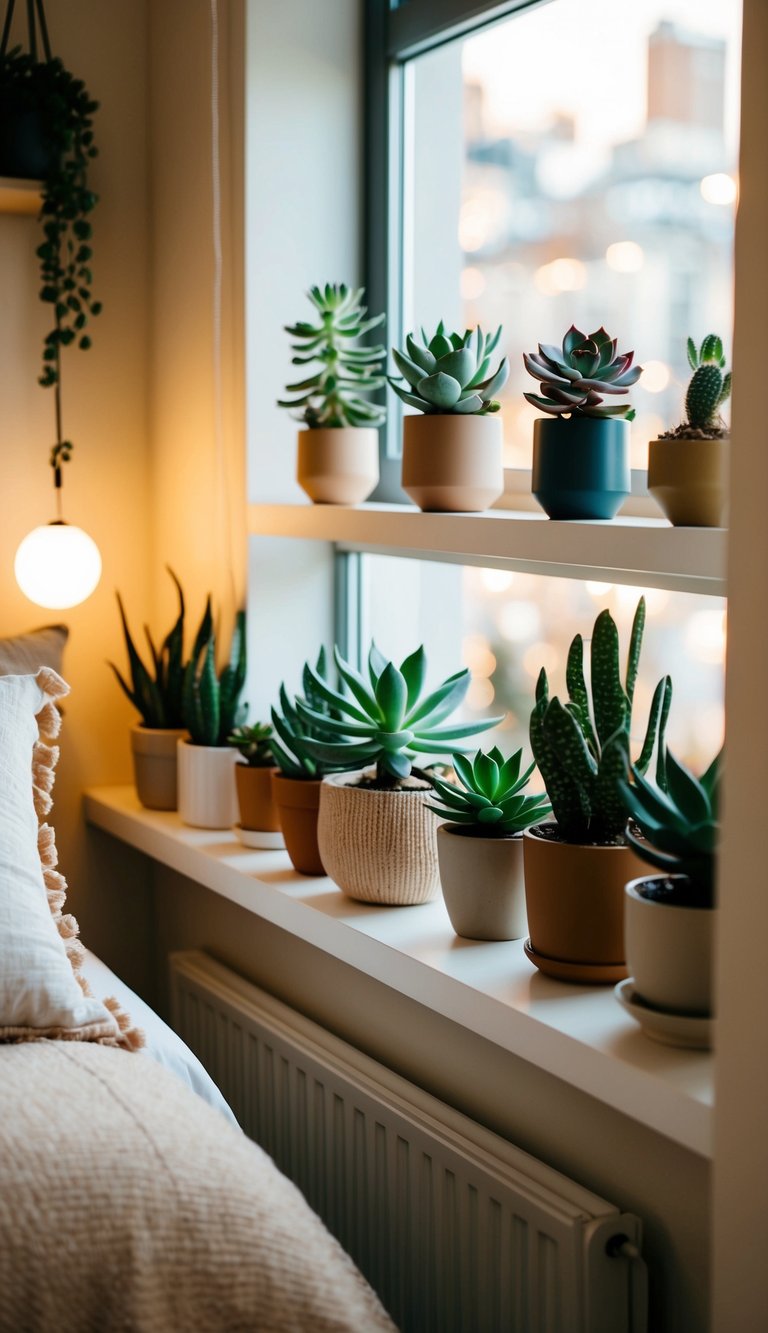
point(576, 867)
point(581, 447)
point(338, 453)
point(480, 849)
point(155, 693)
point(452, 450)
point(259, 821)
point(376, 837)
point(687, 467)
point(670, 917)
point(211, 708)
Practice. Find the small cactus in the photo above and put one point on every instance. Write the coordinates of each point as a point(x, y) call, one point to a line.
point(710, 384)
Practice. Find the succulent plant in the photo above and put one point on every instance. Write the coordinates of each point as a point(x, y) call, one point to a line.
point(294, 734)
point(583, 751)
point(449, 372)
point(575, 377)
point(386, 719)
point(679, 827)
point(491, 802)
point(254, 743)
point(156, 693)
point(709, 386)
point(333, 395)
point(211, 702)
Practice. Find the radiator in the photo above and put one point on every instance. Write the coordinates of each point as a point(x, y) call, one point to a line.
point(457, 1230)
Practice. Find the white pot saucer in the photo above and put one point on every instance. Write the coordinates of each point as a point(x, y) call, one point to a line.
point(670, 1029)
point(265, 842)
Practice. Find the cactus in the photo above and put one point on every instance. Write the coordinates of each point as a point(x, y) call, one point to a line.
point(156, 694)
point(582, 751)
point(210, 701)
point(386, 719)
point(491, 803)
point(709, 386)
point(334, 394)
point(294, 734)
point(448, 373)
point(254, 743)
point(679, 826)
point(574, 378)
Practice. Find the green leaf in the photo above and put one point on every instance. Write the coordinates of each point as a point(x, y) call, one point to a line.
point(391, 696)
point(635, 646)
point(609, 701)
point(445, 698)
point(414, 671)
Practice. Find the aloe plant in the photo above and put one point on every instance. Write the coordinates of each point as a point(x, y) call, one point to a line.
point(449, 372)
point(492, 803)
point(211, 702)
point(575, 377)
point(156, 691)
point(582, 747)
point(335, 393)
point(709, 386)
point(679, 828)
point(385, 719)
point(254, 743)
point(294, 734)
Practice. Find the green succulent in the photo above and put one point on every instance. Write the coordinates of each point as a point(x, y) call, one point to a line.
point(254, 743)
point(582, 747)
point(709, 386)
point(156, 693)
point(335, 393)
point(679, 825)
point(294, 734)
point(386, 719)
point(211, 702)
point(574, 378)
point(491, 803)
point(449, 372)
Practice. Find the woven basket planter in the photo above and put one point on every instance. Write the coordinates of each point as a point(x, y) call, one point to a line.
point(378, 846)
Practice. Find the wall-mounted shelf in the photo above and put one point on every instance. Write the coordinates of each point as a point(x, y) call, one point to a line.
point(643, 552)
point(20, 196)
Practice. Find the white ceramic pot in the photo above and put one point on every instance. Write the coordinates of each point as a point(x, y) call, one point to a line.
point(338, 465)
point(378, 846)
point(453, 463)
point(154, 765)
point(207, 793)
point(669, 952)
point(483, 886)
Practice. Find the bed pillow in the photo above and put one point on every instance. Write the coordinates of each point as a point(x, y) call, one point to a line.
point(41, 993)
point(26, 653)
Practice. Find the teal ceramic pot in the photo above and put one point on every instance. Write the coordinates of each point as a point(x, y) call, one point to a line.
point(580, 466)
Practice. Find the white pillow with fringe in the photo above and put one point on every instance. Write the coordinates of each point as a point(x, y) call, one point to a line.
point(41, 992)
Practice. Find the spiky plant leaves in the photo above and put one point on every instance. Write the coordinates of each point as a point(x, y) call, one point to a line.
point(487, 802)
point(609, 701)
point(453, 374)
point(680, 828)
point(331, 396)
point(575, 376)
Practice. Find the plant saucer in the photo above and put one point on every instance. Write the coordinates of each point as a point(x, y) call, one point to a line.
point(265, 842)
point(583, 974)
point(684, 1030)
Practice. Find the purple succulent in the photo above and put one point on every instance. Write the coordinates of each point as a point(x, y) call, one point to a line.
point(574, 378)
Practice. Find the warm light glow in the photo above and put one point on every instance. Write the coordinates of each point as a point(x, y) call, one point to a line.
point(719, 188)
point(480, 694)
point(561, 275)
point(477, 655)
point(598, 589)
point(705, 636)
point(473, 227)
point(57, 566)
point(472, 283)
point(655, 376)
point(496, 580)
point(518, 622)
point(625, 257)
point(540, 655)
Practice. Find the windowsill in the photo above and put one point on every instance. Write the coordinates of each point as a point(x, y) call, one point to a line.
point(578, 1034)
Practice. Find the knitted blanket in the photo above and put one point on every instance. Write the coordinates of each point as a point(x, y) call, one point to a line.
point(127, 1204)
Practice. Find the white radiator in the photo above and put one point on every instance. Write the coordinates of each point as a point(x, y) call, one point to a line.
point(457, 1230)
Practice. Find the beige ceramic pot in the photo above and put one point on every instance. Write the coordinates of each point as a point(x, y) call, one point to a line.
point(154, 766)
point(255, 798)
point(207, 796)
point(297, 800)
point(670, 952)
point(453, 463)
point(575, 900)
point(482, 879)
point(688, 480)
point(378, 846)
point(338, 465)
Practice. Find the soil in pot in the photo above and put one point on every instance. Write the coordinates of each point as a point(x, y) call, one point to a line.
point(482, 881)
point(297, 802)
point(378, 844)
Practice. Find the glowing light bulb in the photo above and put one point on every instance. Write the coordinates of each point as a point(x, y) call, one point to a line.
point(57, 566)
point(719, 188)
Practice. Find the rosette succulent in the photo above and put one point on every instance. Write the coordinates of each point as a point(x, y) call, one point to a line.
point(575, 377)
point(679, 827)
point(335, 393)
point(449, 372)
point(254, 743)
point(492, 803)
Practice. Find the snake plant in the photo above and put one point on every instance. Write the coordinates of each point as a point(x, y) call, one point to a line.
point(335, 394)
point(211, 702)
point(449, 372)
point(156, 692)
point(492, 803)
point(582, 747)
point(575, 376)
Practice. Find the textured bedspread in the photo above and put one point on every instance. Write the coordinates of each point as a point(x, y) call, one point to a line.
point(127, 1203)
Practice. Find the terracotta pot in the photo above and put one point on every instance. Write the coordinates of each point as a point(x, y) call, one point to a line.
point(575, 900)
point(255, 798)
point(378, 846)
point(338, 465)
point(155, 766)
point(688, 480)
point(453, 464)
point(669, 952)
point(297, 801)
point(207, 795)
point(482, 879)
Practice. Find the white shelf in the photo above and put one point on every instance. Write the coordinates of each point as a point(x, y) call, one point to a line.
point(578, 1034)
point(644, 552)
point(20, 196)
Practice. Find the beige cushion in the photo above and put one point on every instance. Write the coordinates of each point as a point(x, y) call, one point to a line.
point(27, 653)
